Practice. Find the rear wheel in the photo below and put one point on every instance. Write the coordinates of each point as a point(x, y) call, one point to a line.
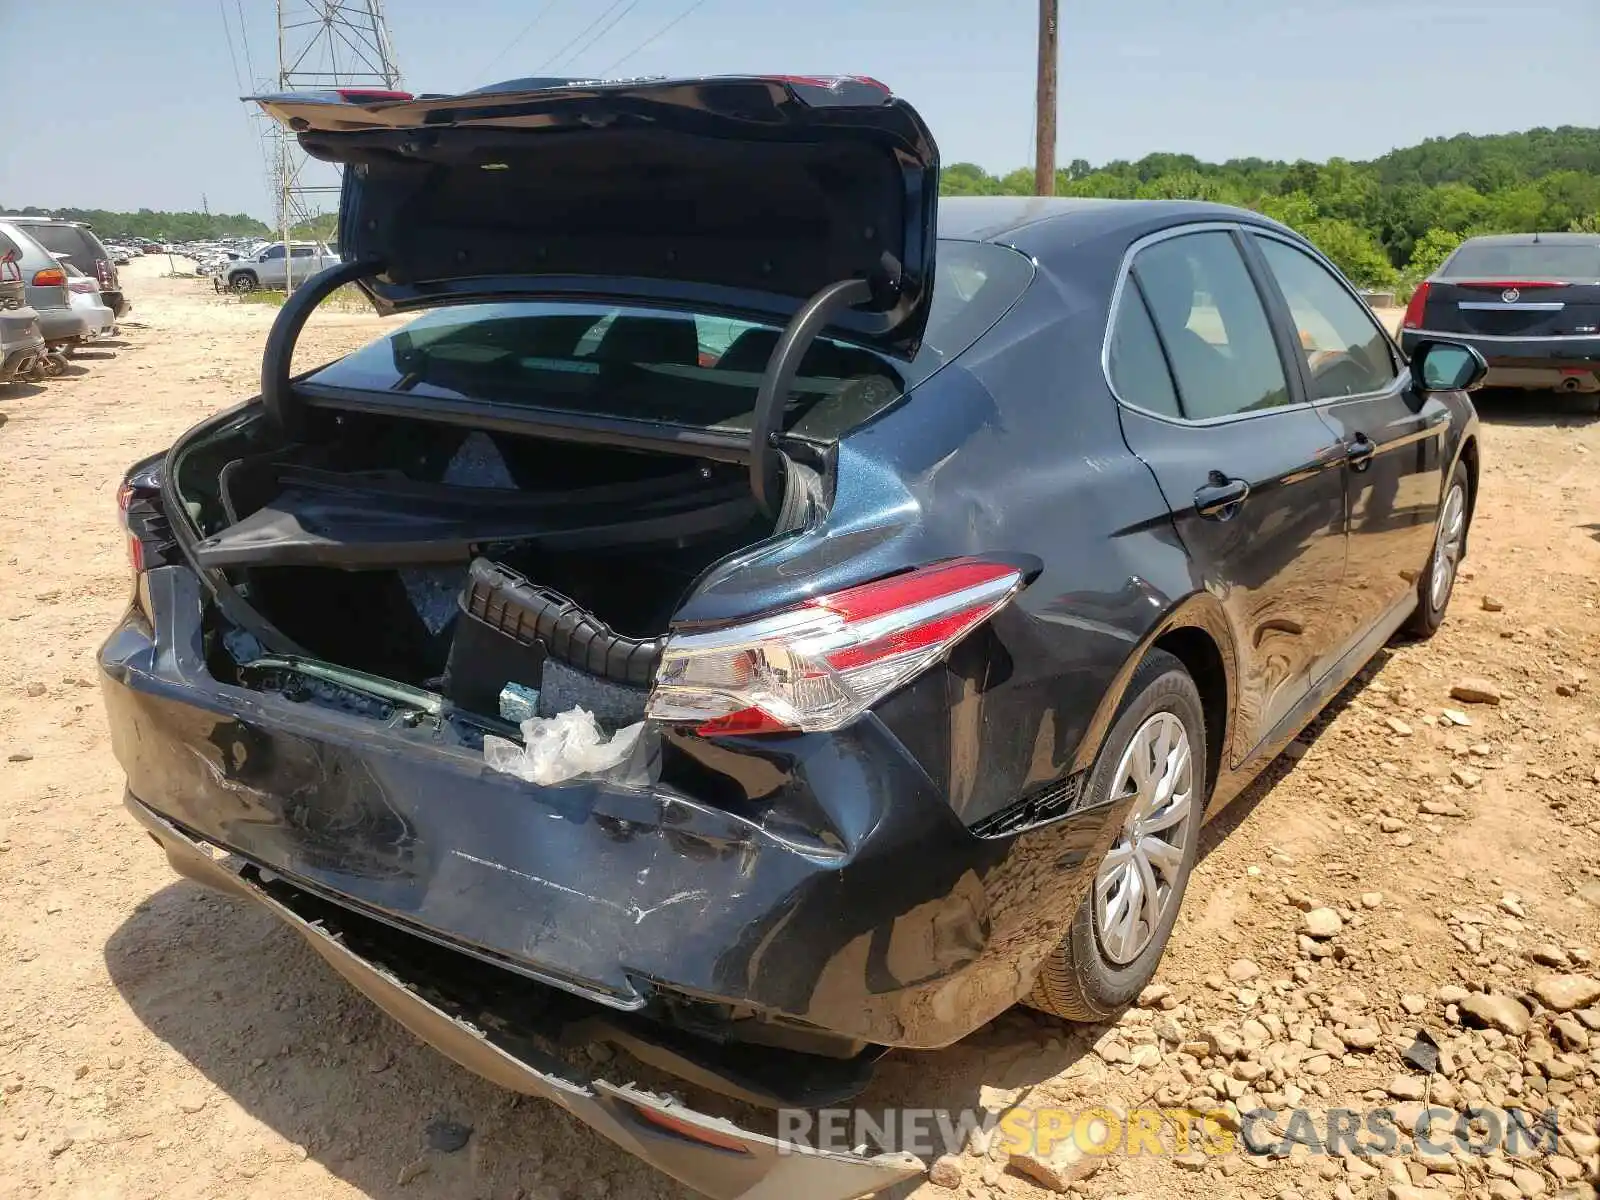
point(244, 281)
point(1437, 582)
point(1152, 768)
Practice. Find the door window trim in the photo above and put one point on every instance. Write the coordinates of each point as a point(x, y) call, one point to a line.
point(1272, 303)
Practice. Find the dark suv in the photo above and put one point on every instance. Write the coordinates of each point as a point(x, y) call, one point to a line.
point(76, 242)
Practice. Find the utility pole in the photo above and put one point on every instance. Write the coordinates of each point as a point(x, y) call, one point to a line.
point(322, 45)
point(1044, 150)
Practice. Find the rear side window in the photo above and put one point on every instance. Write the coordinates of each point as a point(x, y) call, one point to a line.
point(1212, 325)
point(1346, 354)
point(1139, 372)
point(675, 367)
point(1555, 261)
point(67, 240)
point(302, 252)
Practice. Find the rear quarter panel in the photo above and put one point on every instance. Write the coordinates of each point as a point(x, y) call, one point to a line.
point(1014, 449)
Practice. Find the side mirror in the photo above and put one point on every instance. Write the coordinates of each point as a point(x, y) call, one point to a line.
point(1447, 367)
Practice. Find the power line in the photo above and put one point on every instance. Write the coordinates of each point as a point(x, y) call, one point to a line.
point(658, 34)
point(507, 48)
point(244, 40)
point(228, 34)
point(583, 33)
point(605, 29)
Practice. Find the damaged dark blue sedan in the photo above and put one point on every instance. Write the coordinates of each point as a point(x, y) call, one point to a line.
point(760, 615)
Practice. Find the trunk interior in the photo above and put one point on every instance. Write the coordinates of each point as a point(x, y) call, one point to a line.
point(357, 545)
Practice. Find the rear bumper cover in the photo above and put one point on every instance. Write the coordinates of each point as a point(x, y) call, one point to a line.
point(829, 884)
point(735, 1164)
point(62, 324)
point(17, 358)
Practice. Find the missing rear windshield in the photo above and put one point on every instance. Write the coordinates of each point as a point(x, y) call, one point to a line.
point(680, 368)
point(1558, 263)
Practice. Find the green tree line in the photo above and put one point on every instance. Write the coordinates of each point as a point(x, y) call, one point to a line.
point(157, 226)
point(1386, 222)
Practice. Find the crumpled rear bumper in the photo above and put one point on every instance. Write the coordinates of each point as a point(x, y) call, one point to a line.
point(726, 1162)
point(870, 914)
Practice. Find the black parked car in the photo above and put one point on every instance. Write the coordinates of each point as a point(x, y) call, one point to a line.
point(955, 559)
point(1528, 302)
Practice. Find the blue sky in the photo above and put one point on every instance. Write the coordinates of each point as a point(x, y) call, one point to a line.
point(147, 116)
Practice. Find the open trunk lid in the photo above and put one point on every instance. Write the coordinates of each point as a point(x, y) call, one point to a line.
point(744, 194)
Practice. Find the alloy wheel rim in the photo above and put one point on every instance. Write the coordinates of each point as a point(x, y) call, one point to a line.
point(1447, 546)
point(1139, 879)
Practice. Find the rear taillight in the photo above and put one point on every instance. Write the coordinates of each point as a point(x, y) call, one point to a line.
point(49, 277)
point(103, 272)
point(1414, 309)
point(822, 664)
point(149, 537)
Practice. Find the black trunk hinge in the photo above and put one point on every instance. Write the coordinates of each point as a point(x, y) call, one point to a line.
point(282, 406)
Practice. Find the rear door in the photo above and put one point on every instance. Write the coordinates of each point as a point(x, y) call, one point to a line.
point(1212, 403)
point(1515, 290)
point(1392, 434)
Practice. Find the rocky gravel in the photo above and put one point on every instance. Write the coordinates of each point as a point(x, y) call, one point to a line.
point(1402, 917)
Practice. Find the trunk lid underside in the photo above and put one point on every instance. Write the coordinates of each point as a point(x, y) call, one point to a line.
point(746, 194)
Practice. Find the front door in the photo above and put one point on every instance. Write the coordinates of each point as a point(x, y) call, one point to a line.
point(1253, 476)
point(1393, 434)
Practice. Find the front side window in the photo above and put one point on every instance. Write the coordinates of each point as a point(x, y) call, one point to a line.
point(1346, 354)
point(1212, 325)
point(271, 252)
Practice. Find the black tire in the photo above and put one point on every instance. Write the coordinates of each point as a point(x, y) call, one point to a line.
point(1080, 980)
point(244, 281)
point(1431, 603)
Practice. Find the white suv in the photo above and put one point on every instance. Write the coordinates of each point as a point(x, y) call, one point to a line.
point(266, 269)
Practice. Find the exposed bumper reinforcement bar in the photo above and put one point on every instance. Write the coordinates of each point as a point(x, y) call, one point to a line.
point(707, 1153)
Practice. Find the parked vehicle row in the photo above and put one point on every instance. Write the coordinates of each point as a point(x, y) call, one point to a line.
point(59, 290)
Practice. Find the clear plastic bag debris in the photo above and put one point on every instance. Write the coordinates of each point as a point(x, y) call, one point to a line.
point(556, 749)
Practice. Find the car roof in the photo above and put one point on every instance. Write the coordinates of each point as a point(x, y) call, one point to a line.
point(1001, 218)
point(36, 220)
point(1534, 239)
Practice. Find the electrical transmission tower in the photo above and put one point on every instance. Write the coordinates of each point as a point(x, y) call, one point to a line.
point(324, 44)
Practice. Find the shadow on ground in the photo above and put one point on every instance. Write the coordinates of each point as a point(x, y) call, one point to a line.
point(1512, 406)
point(271, 1026)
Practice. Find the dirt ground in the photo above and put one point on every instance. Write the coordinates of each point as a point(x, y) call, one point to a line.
point(159, 1041)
